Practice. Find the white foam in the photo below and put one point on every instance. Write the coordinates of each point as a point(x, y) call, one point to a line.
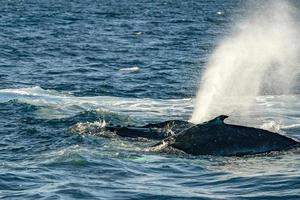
point(130, 69)
point(271, 126)
point(88, 127)
point(58, 105)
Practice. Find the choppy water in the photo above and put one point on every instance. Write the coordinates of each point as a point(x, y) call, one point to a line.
point(125, 62)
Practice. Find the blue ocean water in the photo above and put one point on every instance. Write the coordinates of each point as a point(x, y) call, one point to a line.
point(66, 63)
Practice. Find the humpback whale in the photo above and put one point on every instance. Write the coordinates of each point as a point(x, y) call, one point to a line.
point(214, 137)
point(218, 138)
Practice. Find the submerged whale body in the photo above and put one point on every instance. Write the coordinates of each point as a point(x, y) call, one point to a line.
point(157, 131)
point(217, 138)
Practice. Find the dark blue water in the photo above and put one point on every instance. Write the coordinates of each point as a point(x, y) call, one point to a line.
point(66, 63)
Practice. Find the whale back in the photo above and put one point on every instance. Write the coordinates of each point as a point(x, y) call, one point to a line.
point(218, 138)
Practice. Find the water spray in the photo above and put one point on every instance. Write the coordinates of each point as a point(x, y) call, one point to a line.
point(260, 57)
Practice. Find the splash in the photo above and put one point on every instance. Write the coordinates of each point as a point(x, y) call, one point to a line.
point(260, 57)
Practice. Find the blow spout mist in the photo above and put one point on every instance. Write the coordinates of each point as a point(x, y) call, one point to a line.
point(260, 57)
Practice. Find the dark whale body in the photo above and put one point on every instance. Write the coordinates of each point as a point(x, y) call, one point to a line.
point(217, 138)
point(209, 138)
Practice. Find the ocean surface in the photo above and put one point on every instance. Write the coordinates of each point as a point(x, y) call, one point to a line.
point(66, 63)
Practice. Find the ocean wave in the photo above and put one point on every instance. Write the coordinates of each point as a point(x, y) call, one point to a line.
point(53, 104)
point(291, 126)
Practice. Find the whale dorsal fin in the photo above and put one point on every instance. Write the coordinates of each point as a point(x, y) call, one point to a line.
point(218, 120)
